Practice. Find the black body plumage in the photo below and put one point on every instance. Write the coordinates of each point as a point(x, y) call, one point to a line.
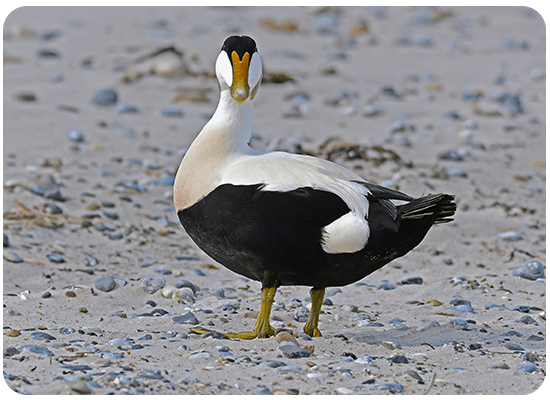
point(276, 237)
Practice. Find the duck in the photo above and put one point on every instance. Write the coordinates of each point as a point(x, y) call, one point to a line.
point(287, 219)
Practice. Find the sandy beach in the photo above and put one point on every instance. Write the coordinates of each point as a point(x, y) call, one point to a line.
point(101, 284)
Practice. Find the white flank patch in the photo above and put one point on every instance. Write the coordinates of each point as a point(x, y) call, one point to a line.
point(347, 234)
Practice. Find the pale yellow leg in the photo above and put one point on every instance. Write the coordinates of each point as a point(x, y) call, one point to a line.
point(262, 329)
point(311, 326)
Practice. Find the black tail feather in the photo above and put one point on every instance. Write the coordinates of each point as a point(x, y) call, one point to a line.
point(441, 206)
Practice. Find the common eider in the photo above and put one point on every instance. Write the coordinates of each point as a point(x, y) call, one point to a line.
point(287, 219)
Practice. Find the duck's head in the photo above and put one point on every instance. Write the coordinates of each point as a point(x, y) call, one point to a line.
point(239, 68)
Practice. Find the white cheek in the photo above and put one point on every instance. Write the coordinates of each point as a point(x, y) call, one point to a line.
point(224, 71)
point(254, 70)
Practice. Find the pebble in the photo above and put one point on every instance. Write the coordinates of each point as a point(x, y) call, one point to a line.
point(510, 236)
point(6, 240)
point(285, 337)
point(385, 286)
point(108, 355)
point(293, 351)
point(182, 283)
point(452, 155)
point(120, 342)
point(301, 314)
point(427, 325)
point(52, 208)
point(532, 270)
point(398, 359)
point(521, 308)
point(13, 257)
point(151, 285)
point(412, 281)
point(391, 387)
point(75, 136)
point(464, 308)
point(105, 97)
point(364, 360)
point(40, 350)
point(459, 323)
point(124, 108)
point(201, 355)
point(55, 258)
point(105, 283)
point(271, 364)
point(66, 330)
point(326, 24)
point(528, 367)
point(172, 112)
point(456, 172)
point(527, 319)
point(42, 336)
point(501, 365)
point(513, 346)
point(13, 333)
point(414, 375)
point(343, 390)
point(188, 318)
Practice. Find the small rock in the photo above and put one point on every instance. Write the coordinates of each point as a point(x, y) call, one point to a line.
point(124, 108)
point(459, 323)
point(398, 359)
point(532, 270)
point(412, 281)
point(500, 365)
point(301, 314)
point(414, 375)
point(385, 286)
point(6, 240)
point(120, 342)
point(183, 283)
point(528, 367)
point(105, 97)
point(42, 336)
point(40, 350)
point(452, 155)
point(201, 355)
point(172, 112)
point(285, 337)
point(527, 319)
point(151, 285)
point(427, 325)
point(510, 236)
point(79, 386)
point(364, 360)
point(75, 136)
point(105, 283)
point(91, 261)
point(293, 351)
point(13, 333)
point(13, 257)
point(513, 346)
point(521, 308)
point(55, 258)
point(390, 387)
point(188, 318)
point(271, 364)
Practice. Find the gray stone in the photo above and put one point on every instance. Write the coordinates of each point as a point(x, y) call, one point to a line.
point(532, 270)
point(290, 351)
point(105, 283)
point(188, 318)
point(151, 285)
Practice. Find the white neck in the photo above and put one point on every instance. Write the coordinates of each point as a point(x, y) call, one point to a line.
point(224, 138)
point(231, 125)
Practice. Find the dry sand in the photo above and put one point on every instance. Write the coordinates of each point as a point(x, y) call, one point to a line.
point(417, 82)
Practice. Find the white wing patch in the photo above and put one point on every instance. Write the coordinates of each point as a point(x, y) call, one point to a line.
point(347, 234)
